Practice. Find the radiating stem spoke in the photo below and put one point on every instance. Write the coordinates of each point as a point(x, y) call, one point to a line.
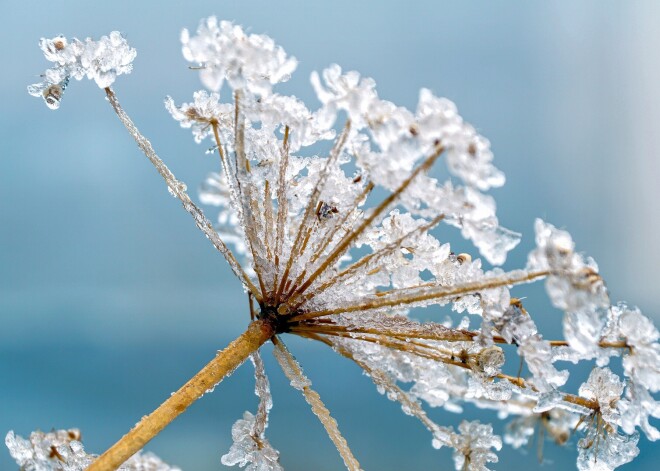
point(427, 292)
point(348, 240)
point(296, 251)
point(294, 372)
point(178, 189)
point(382, 379)
point(370, 258)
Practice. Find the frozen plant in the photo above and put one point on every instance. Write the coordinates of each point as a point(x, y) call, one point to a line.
point(319, 256)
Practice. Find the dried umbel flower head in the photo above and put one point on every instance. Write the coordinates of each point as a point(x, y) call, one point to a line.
point(320, 256)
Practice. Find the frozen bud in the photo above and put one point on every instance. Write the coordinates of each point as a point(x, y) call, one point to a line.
point(604, 449)
point(202, 113)
point(605, 388)
point(573, 282)
point(473, 446)
point(50, 92)
point(101, 61)
point(489, 361)
point(463, 258)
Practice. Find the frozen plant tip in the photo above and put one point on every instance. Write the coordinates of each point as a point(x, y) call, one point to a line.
point(101, 61)
point(321, 257)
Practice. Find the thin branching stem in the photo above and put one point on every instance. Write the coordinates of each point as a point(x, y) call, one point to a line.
point(406, 347)
point(374, 257)
point(178, 189)
point(294, 372)
point(296, 251)
point(261, 388)
point(330, 234)
point(397, 298)
point(282, 205)
point(348, 240)
point(382, 379)
point(426, 331)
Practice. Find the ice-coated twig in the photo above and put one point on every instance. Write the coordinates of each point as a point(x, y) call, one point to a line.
point(178, 189)
point(294, 372)
point(282, 204)
point(426, 292)
point(372, 258)
point(296, 250)
point(441, 435)
point(331, 234)
point(346, 242)
point(251, 448)
point(262, 390)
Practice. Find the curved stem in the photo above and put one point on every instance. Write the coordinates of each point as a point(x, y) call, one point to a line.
point(223, 364)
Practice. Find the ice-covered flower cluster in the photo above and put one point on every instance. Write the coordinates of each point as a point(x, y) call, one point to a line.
point(62, 450)
point(224, 52)
point(101, 61)
point(332, 216)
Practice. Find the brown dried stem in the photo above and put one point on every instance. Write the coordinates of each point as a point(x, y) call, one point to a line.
point(311, 206)
point(347, 241)
point(397, 297)
point(224, 363)
point(382, 379)
point(374, 256)
point(427, 351)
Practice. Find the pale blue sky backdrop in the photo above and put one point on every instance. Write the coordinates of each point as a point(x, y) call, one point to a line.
point(110, 298)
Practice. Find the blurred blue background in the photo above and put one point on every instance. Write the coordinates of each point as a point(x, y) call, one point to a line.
point(110, 298)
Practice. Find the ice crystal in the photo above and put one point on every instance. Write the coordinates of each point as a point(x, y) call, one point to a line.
point(101, 61)
point(225, 52)
point(574, 283)
point(253, 453)
point(642, 364)
point(473, 446)
point(301, 224)
point(606, 388)
point(250, 448)
point(61, 450)
point(605, 450)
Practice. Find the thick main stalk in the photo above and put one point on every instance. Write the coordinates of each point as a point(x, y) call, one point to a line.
point(224, 363)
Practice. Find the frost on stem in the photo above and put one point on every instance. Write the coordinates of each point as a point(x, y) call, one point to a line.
point(298, 191)
point(300, 382)
point(62, 450)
